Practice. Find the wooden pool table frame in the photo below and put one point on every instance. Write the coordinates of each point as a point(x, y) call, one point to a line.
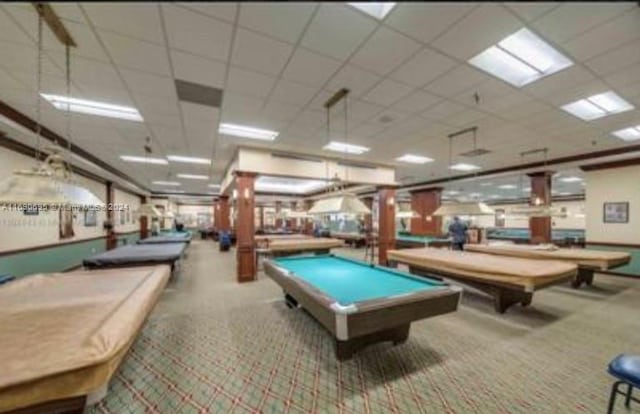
point(366, 322)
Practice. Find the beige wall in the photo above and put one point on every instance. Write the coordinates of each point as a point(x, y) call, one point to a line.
point(19, 231)
point(575, 216)
point(613, 185)
point(131, 201)
point(189, 213)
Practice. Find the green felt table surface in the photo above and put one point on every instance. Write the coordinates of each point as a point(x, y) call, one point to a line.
point(348, 281)
point(175, 233)
point(420, 239)
point(525, 233)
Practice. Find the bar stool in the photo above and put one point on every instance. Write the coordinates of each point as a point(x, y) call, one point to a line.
point(626, 368)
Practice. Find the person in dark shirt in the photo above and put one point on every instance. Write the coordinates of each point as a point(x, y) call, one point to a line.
point(458, 233)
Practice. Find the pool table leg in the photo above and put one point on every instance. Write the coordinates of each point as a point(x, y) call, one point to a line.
point(346, 349)
point(504, 298)
point(584, 276)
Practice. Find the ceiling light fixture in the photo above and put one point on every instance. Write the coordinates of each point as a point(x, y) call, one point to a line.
point(628, 134)
point(83, 106)
point(189, 160)
point(247, 132)
point(345, 148)
point(598, 106)
point(193, 176)
point(168, 183)
point(571, 179)
point(414, 159)
point(377, 9)
point(288, 185)
point(521, 58)
point(214, 186)
point(507, 187)
point(144, 160)
point(461, 166)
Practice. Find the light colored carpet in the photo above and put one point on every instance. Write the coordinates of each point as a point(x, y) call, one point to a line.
point(212, 345)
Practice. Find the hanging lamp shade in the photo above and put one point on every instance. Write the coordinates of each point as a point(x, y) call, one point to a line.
point(41, 187)
point(147, 209)
point(298, 214)
point(464, 209)
point(344, 203)
point(169, 214)
point(539, 211)
point(407, 214)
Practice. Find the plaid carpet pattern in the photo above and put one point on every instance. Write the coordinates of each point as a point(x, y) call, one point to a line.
point(214, 346)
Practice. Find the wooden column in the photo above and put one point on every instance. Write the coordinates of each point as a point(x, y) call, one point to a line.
point(308, 222)
point(368, 218)
point(223, 214)
point(425, 202)
point(112, 240)
point(245, 228)
point(216, 215)
point(387, 222)
point(144, 221)
point(278, 209)
point(540, 227)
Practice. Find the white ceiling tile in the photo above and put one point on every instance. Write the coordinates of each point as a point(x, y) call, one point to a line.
point(292, 93)
point(276, 113)
point(156, 105)
point(11, 32)
point(417, 101)
point(626, 76)
point(531, 10)
point(241, 109)
point(195, 33)
point(455, 81)
point(425, 21)
point(309, 68)
point(571, 19)
point(482, 28)
point(384, 51)
point(498, 104)
point(196, 69)
point(149, 84)
point(560, 81)
point(136, 54)
point(139, 20)
point(387, 92)
point(337, 30)
point(423, 67)
point(221, 10)
point(606, 36)
point(69, 12)
point(284, 21)
point(485, 91)
point(249, 83)
point(464, 118)
point(260, 53)
point(523, 110)
point(443, 110)
point(360, 111)
point(358, 81)
point(615, 60)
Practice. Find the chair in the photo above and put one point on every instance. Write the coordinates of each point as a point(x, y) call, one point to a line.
point(626, 368)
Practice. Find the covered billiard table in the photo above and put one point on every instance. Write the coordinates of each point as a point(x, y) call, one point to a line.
point(360, 303)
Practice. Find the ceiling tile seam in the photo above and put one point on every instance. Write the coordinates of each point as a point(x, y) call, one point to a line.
point(165, 36)
point(293, 52)
point(602, 23)
point(127, 88)
point(216, 137)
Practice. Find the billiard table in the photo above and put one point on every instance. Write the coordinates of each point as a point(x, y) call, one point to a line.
point(138, 255)
point(560, 237)
point(407, 241)
point(360, 303)
point(352, 238)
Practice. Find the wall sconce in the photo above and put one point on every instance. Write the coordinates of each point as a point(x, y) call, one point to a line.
point(234, 195)
point(391, 201)
point(429, 218)
point(246, 194)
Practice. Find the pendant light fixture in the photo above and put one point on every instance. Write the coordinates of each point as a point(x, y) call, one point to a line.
point(343, 201)
point(459, 208)
point(50, 181)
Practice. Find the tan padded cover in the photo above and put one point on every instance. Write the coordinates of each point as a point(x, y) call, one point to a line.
point(64, 334)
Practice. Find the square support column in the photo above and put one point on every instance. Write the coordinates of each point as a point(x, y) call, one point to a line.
point(425, 202)
point(387, 222)
point(245, 227)
point(540, 227)
point(223, 214)
point(112, 240)
point(144, 221)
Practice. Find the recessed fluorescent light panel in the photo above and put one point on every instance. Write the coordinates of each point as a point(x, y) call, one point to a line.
point(461, 166)
point(247, 132)
point(214, 185)
point(379, 10)
point(288, 185)
point(93, 108)
point(192, 176)
point(144, 160)
point(521, 58)
point(628, 134)
point(167, 183)
point(571, 179)
point(345, 148)
point(598, 106)
point(414, 159)
point(507, 187)
point(189, 160)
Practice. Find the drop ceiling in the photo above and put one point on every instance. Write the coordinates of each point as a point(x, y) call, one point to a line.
point(277, 63)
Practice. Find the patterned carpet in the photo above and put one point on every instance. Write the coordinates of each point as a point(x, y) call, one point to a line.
point(213, 346)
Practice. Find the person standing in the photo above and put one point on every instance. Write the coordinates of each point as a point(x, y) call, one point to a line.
point(458, 233)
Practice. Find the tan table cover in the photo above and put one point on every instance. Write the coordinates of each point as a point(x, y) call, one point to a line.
point(596, 259)
point(64, 334)
point(487, 268)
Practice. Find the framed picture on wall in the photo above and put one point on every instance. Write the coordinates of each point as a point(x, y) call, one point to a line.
point(90, 218)
point(65, 225)
point(616, 212)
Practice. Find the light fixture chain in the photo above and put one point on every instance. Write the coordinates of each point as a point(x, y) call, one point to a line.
point(39, 88)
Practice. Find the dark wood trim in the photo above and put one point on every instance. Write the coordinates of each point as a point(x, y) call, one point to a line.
point(618, 274)
point(48, 246)
point(45, 132)
point(55, 24)
point(613, 244)
point(611, 164)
